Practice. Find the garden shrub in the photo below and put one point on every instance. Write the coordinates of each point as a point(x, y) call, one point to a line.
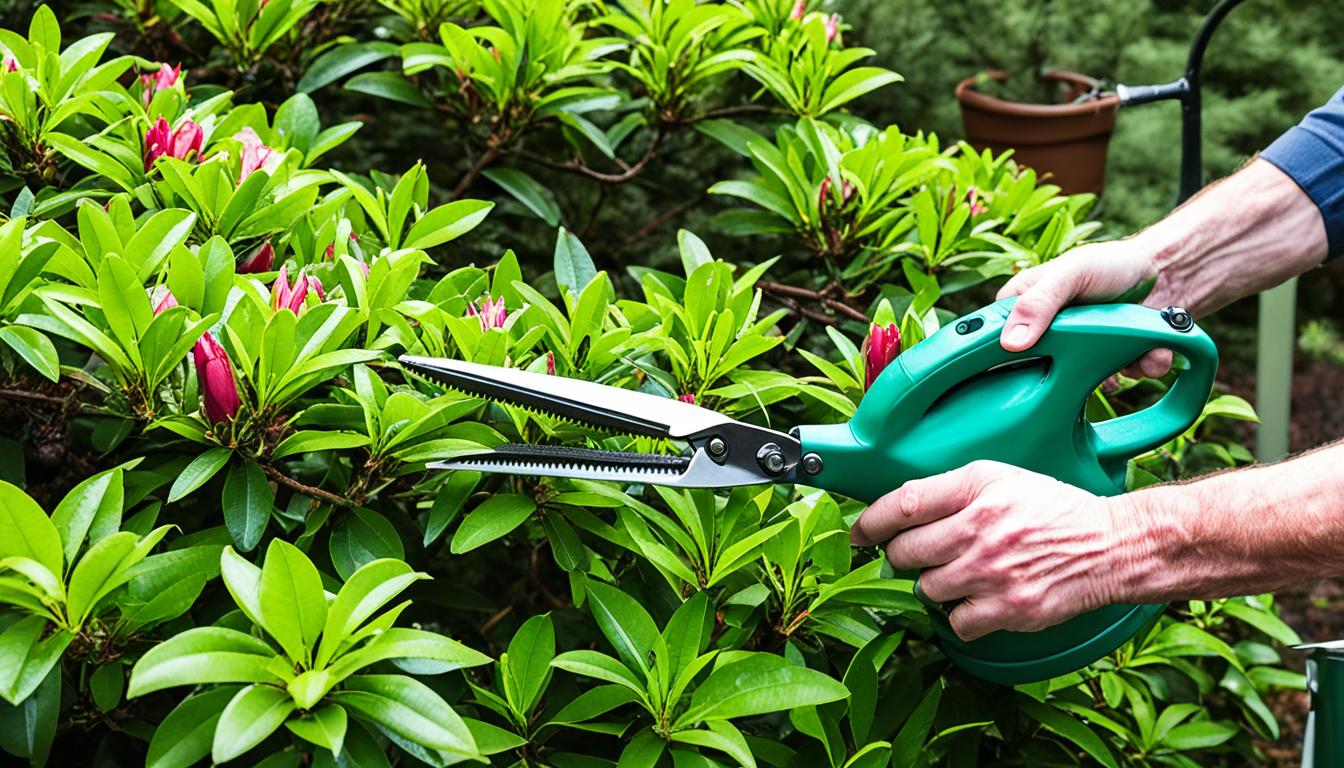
point(218, 538)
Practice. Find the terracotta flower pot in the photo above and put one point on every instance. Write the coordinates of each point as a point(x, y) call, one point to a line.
point(1067, 141)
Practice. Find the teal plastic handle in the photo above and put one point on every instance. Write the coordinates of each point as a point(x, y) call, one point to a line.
point(958, 396)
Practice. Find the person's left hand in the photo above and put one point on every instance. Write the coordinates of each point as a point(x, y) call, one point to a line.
point(1019, 550)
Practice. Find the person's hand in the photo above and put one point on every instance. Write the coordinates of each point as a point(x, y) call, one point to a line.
point(1019, 550)
point(1090, 273)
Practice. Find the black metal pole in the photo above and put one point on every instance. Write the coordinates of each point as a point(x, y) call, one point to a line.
point(1188, 91)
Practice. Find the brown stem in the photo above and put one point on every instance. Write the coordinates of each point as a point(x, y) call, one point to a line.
point(495, 618)
point(25, 395)
point(821, 297)
point(494, 146)
point(306, 490)
point(628, 171)
point(663, 218)
point(741, 109)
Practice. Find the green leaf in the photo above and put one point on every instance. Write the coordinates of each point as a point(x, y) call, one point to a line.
point(529, 662)
point(592, 703)
point(1262, 619)
point(599, 666)
point(447, 222)
point(361, 538)
point(341, 61)
point(95, 504)
point(198, 472)
point(1199, 735)
point(758, 684)
point(26, 531)
point(106, 685)
point(1070, 728)
point(388, 85)
point(28, 657)
point(184, 737)
point(528, 191)
point(497, 516)
point(448, 503)
point(309, 440)
point(203, 655)
point(624, 622)
point(324, 727)
point(367, 590)
point(910, 740)
point(35, 349)
point(410, 709)
point(574, 268)
point(293, 604)
point(247, 503)
point(253, 714)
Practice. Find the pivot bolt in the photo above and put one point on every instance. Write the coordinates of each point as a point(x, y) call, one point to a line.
point(717, 447)
point(812, 464)
point(1178, 318)
point(771, 458)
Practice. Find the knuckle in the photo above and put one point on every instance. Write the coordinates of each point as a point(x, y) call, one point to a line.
point(910, 501)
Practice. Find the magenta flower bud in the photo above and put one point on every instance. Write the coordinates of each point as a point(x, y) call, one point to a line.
point(823, 192)
point(162, 140)
point(799, 8)
point(832, 27)
point(214, 371)
point(255, 153)
point(550, 363)
point(167, 302)
point(977, 206)
point(879, 349)
point(165, 78)
point(260, 260)
point(490, 313)
point(10, 64)
point(285, 296)
point(688, 398)
point(316, 285)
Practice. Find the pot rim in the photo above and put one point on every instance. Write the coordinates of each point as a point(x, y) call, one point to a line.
point(968, 96)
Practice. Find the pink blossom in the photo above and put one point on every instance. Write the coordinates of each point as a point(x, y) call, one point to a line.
point(181, 143)
point(977, 206)
point(316, 285)
point(166, 302)
point(10, 64)
point(260, 260)
point(879, 349)
point(688, 398)
point(219, 388)
point(799, 8)
point(255, 153)
point(550, 363)
point(291, 297)
point(164, 79)
point(491, 314)
point(832, 27)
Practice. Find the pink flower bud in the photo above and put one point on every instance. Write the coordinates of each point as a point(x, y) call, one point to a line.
point(846, 190)
point(219, 388)
point(823, 193)
point(285, 296)
point(330, 253)
point(550, 363)
point(10, 64)
point(832, 27)
point(688, 398)
point(260, 260)
point(162, 140)
point(879, 349)
point(164, 79)
point(167, 302)
point(490, 313)
point(799, 8)
point(316, 285)
point(255, 153)
point(977, 206)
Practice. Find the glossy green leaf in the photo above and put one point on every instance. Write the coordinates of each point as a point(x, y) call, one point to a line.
point(250, 716)
point(497, 516)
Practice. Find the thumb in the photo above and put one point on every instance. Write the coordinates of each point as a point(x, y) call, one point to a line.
point(1035, 309)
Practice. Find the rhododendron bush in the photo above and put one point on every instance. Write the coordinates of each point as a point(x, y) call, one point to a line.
point(218, 538)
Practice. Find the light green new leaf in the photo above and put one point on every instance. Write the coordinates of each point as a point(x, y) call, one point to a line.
point(529, 662)
point(367, 590)
point(760, 683)
point(410, 709)
point(293, 604)
point(183, 738)
point(198, 472)
point(26, 531)
point(35, 349)
point(325, 727)
point(203, 655)
point(253, 714)
point(447, 222)
point(92, 508)
point(497, 516)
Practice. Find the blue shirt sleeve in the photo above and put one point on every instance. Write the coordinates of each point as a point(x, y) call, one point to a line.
point(1312, 153)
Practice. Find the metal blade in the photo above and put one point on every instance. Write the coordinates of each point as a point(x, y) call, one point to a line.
point(614, 408)
point(695, 471)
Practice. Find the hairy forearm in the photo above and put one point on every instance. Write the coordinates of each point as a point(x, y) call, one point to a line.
point(1235, 533)
point(1248, 232)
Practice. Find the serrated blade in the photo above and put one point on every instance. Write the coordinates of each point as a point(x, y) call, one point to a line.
point(694, 471)
point(613, 408)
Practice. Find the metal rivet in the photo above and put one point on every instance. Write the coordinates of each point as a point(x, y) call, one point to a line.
point(717, 447)
point(811, 463)
point(771, 458)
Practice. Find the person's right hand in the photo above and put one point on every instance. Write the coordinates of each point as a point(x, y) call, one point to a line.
point(1096, 272)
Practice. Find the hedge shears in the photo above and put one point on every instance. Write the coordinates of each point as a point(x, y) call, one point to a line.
point(955, 397)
